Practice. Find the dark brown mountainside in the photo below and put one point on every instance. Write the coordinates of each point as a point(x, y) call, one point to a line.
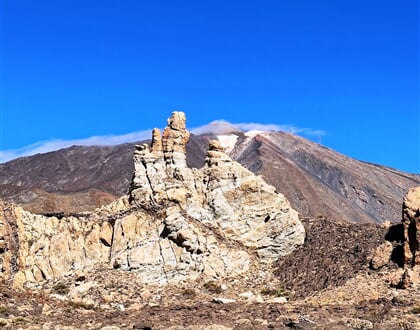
point(319, 181)
point(316, 180)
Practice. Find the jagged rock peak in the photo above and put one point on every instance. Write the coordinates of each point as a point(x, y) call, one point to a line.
point(175, 138)
point(222, 193)
point(177, 121)
point(156, 146)
point(411, 223)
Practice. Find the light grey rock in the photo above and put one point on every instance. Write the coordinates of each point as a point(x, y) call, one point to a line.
point(223, 301)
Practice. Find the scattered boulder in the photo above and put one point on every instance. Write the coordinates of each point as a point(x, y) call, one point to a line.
point(381, 255)
point(219, 300)
point(411, 223)
point(409, 278)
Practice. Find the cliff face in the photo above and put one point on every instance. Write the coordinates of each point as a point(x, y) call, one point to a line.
point(177, 223)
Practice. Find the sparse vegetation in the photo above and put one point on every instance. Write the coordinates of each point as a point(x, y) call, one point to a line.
point(189, 293)
point(18, 320)
point(82, 305)
point(213, 287)
point(416, 309)
point(61, 288)
point(4, 311)
point(275, 292)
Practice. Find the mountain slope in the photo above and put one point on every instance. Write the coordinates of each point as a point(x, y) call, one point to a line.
point(316, 180)
point(319, 181)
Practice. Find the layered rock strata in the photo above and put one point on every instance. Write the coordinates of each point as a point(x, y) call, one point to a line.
point(411, 223)
point(176, 224)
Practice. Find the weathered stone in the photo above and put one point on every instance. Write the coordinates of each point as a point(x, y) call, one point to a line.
point(246, 295)
point(223, 193)
point(278, 300)
point(381, 255)
point(175, 138)
point(220, 300)
point(156, 146)
point(409, 278)
point(411, 223)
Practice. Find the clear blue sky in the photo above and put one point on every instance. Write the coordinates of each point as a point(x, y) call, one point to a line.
point(76, 69)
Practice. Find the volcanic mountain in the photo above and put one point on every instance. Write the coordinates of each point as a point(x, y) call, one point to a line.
point(318, 181)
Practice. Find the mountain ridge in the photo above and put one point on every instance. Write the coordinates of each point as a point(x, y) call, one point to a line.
point(317, 180)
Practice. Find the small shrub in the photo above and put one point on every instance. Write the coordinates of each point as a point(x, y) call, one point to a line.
point(81, 305)
point(19, 320)
point(275, 292)
point(61, 288)
point(416, 309)
point(189, 293)
point(213, 287)
point(4, 311)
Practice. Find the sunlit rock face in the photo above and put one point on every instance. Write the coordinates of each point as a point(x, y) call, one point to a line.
point(222, 193)
point(411, 223)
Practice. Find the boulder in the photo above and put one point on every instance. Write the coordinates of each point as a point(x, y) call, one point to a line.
point(411, 223)
point(381, 255)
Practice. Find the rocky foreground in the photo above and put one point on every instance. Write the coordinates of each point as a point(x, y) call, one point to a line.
point(209, 248)
point(349, 295)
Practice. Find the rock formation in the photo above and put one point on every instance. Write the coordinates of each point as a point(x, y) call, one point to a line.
point(411, 223)
point(222, 194)
point(177, 223)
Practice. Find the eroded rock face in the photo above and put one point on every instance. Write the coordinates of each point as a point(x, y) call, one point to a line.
point(411, 222)
point(222, 194)
point(176, 224)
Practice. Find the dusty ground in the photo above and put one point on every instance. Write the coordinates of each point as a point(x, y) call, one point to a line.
point(327, 284)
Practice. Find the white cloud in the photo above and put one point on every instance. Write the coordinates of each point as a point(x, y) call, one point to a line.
point(222, 126)
point(51, 145)
point(215, 127)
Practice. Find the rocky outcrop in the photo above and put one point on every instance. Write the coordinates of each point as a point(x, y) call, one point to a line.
point(411, 223)
point(381, 256)
point(222, 194)
point(36, 248)
point(176, 224)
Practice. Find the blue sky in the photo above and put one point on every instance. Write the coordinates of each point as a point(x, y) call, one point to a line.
point(72, 70)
